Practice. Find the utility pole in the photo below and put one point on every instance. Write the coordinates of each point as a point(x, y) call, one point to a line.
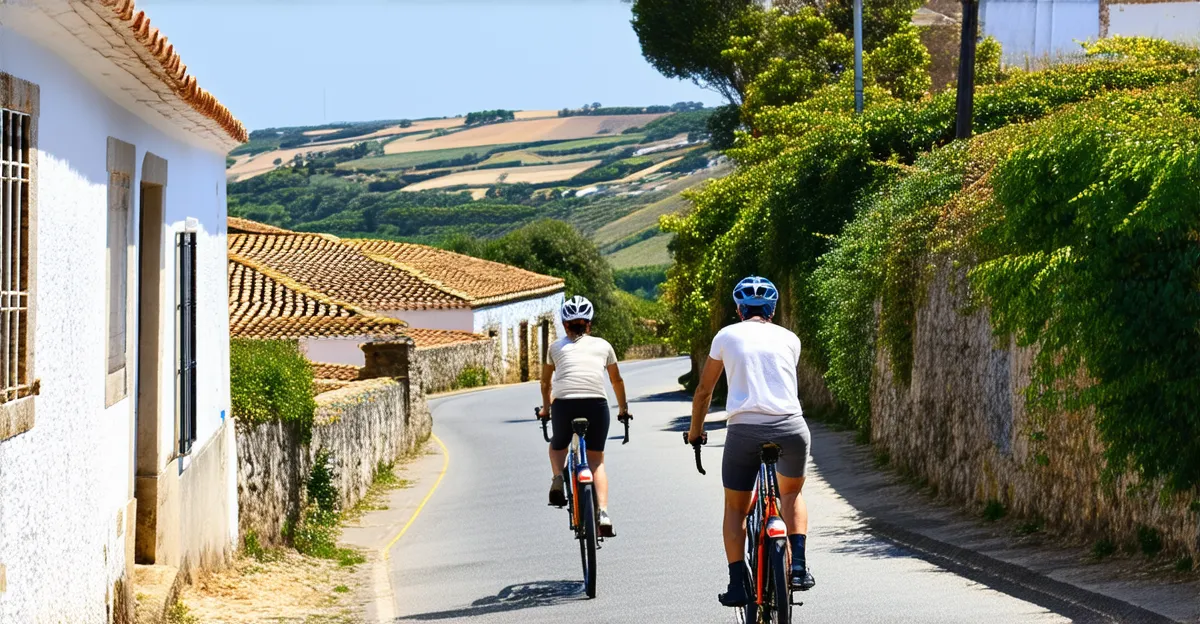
point(966, 69)
point(858, 53)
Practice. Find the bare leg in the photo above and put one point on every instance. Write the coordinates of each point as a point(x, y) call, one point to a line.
point(737, 506)
point(599, 476)
point(558, 459)
point(795, 512)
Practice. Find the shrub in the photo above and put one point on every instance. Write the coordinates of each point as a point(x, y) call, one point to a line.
point(994, 510)
point(270, 380)
point(1103, 548)
point(472, 377)
point(1149, 540)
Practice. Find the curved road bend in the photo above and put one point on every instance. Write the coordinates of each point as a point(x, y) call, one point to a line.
point(488, 549)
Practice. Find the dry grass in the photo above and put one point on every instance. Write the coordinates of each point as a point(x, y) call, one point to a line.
point(285, 587)
point(479, 193)
point(650, 252)
point(322, 132)
point(536, 114)
point(638, 175)
point(510, 175)
point(527, 131)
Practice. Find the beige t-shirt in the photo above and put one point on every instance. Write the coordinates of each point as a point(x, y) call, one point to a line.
point(579, 367)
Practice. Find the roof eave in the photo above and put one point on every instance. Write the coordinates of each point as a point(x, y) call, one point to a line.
point(518, 296)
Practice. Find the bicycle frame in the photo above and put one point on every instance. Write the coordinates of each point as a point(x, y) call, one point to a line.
point(764, 522)
point(579, 473)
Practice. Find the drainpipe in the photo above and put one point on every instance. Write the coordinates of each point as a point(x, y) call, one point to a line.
point(966, 69)
point(858, 54)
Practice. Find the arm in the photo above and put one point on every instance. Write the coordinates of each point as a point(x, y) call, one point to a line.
point(703, 396)
point(547, 374)
point(618, 384)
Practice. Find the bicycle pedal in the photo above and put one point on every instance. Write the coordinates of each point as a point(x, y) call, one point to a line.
point(795, 603)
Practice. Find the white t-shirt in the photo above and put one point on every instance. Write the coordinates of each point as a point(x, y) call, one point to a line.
point(580, 366)
point(760, 365)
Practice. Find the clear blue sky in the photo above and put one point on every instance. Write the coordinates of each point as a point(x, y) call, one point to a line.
point(303, 62)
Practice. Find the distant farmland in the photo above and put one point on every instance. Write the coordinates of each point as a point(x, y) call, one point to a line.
point(511, 175)
point(530, 131)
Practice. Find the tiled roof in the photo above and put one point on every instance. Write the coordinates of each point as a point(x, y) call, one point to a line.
point(122, 14)
point(481, 282)
point(266, 305)
point(426, 338)
point(325, 264)
point(246, 226)
point(341, 372)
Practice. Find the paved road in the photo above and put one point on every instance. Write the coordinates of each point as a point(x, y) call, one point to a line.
point(487, 549)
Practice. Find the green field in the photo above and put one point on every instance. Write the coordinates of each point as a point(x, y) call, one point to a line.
point(651, 252)
point(623, 139)
point(413, 159)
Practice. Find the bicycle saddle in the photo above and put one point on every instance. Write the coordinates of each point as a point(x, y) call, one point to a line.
point(579, 426)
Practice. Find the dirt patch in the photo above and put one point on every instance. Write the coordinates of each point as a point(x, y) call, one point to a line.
point(281, 586)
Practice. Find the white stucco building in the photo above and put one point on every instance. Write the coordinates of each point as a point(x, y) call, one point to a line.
point(426, 287)
point(115, 441)
point(1031, 29)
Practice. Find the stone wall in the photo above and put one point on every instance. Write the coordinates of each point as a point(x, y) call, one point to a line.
point(438, 367)
point(961, 424)
point(650, 352)
point(363, 425)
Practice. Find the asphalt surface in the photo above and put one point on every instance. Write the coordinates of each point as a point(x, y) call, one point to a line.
point(488, 549)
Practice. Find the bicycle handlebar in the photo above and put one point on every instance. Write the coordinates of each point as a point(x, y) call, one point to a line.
point(625, 418)
point(696, 447)
point(537, 413)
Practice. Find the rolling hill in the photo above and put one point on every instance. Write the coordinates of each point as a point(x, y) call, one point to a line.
point(609, 172)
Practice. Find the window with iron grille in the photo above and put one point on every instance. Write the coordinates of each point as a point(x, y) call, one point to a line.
point(16, 152)
point(185, 243)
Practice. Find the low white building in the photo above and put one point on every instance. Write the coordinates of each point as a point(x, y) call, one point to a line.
point(1033, 29)
point(115, 441)
point(428, 288)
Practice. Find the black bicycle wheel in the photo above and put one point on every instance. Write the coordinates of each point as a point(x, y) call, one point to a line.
point(780, 604)
point(587, 549)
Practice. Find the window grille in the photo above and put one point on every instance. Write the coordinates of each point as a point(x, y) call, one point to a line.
point(15, 158)
point(186, 247)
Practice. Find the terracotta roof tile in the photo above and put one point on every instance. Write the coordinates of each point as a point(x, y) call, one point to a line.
point(266, 305)
point(481, 282)
point(426, 338)
point(170, 69)
point(236, 225)
point(325, 264)
point(340, 372)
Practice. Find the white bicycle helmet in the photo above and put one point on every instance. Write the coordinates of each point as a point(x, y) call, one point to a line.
point(756, 291)
point(577, 308)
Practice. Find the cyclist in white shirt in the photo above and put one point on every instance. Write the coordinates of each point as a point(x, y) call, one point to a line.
point(759, 359)
point(574, 380)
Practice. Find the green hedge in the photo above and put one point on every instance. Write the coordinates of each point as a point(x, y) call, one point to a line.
point(1082, 184)
point(270, 381)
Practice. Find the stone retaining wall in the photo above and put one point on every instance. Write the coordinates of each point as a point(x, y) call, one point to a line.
point(962, 425)
point(438, 367)
point(363, 425)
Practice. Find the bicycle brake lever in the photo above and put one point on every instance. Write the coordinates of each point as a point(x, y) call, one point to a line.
point(625, 418)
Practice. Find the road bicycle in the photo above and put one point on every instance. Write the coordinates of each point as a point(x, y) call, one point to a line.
point(583, 507)
point(771, 595)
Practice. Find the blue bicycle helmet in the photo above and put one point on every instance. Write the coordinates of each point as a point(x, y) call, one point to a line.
point(756, 292)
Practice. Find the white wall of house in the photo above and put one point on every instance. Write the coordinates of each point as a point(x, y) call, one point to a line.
point(505, 319)
point(344, 350)
point(1036, 28)
point(460, 319)
point(66, 484)
point(1177, 21)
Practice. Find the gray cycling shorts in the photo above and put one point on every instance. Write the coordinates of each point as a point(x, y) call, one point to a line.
point(743, 443)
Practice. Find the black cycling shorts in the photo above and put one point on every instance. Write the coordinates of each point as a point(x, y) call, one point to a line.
point(563, 411)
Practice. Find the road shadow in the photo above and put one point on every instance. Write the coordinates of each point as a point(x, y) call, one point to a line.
point(683, 423)
point(677, 396)
point(512, 598)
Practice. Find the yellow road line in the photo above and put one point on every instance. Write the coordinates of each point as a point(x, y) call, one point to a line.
point(445, 465)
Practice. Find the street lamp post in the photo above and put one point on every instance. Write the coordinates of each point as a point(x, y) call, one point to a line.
point(966, 69)
point(858, 54)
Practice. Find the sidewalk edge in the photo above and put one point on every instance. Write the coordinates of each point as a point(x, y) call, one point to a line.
point(983, 568)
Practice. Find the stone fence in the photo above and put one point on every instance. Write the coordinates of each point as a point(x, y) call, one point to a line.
point(438, 367)
point(362, 425)
point(962, 425)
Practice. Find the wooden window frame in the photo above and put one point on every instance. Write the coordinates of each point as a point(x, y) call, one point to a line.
point(17, 415)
